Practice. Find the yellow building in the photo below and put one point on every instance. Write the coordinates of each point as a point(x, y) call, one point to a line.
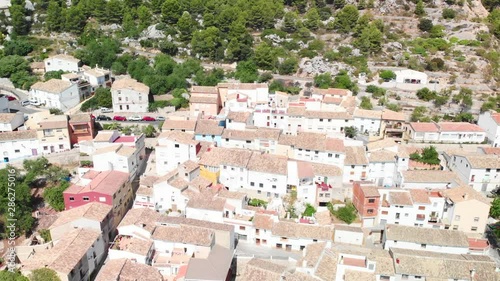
point(53, 134)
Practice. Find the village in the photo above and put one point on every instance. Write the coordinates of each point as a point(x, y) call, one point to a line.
point(252, 184)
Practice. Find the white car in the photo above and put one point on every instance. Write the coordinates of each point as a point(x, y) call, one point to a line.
point(160, 118)
point(35, 103)
point(134, 118)
point(106, 110)
point(25, 102)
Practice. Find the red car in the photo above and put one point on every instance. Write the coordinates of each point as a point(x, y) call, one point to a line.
point(11, 98)
point(148, 118)
point(120, 118)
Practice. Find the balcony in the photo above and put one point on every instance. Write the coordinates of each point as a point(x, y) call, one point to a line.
point(81, 131)
point(420, 217)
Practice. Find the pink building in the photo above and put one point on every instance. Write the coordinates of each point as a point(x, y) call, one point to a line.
point(205, 100)
point(81, 127)
point(107, 187)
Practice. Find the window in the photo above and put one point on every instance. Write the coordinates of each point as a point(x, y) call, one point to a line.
point(176, 145)
point(423, 246)
point(128, 107)
point(119, 98)
point(45, 148)
point(330, 155)
point(276, 195)
point(249, 141)
point(421, 207)
point(476, 219)
point(337, 156)
point(121, 107)
point(252, 183)
point(474, 228)
point(370, 211)
point(259, 192)
point(274, 186)
point(352, 166)
point(86, 198)
point(455, 227)
point(72, 198)
point(48, 133)
point(61, 146)
point(17, 151)
point(269, 194)
point(140, 97)
point(385, 212)
point(242, 227)
point(320, 120)
point(457, 218)
point(261, 185)
point(371, 200)
point(404, 277)
point(488, 170)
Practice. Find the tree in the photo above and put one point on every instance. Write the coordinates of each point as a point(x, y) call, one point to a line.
point(20, 26)
point(343, 81)
point(428, 155)
point(366, 103)
point(425, 25)
point(171, 11)
point(56, 111)
point(339, 4)
point(102, 51)
point(435, 64)
point(345, 19)
point(17, 47)
point(265, 57)
point(393, 107)
point(149, 131)
point(441, 100)
point(22, 202)
point(464, 117)
point(419, 8)
point(288, 66)
point(54, 195)
point(309, 211)
point(75, 20)
point(437, 31)
point(103, 96)
point(323, 81)
point(6, 275)
point(290, 22)
point(114, 11)
point(44, 274)
point(246, 72)
point(129, 26)
point(426, 94)
point(495, 208)
point(186, 25)
point(419, 114)
point(361, 24)
point(54, 20)
point(387, 75)
point(350, 131)
point(346, 214)
point(312, 19)
point(53, 75)
point(206, 43)
point(494, 22)
point(370, 40)
point(449, 13)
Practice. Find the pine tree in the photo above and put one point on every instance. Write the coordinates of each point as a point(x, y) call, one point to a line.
point(54, 21)
point(186, 26)
point(290, 22)
point(171, 11)
point(419, 8)
point(20, 26)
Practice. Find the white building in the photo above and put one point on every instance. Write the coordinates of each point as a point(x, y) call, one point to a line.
point(174, 148)
point(348, 235)
point(118, 157)
point(129, 247)
point(97, 77)
point(490, 122)
point(238, 120)
point(18, 144)
point(267, 176)
point(481, 172)
point(261, 139)
point(447, 132)
point(432, 240)
point(11, 121)
point(129, 95)
point(415, 207)
point(367, 121)
point(408, 76)
point(355, 164)
point(62, 62)
point(382, 167)
point(56, 93)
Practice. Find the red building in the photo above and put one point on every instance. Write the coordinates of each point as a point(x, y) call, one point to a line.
point(81, 127)
point(107, 187)
point(366, 199)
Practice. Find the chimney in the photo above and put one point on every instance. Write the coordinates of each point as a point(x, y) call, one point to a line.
point(472, 273)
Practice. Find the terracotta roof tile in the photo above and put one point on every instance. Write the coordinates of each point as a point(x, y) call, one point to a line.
point(131, 84)
point(54, 86)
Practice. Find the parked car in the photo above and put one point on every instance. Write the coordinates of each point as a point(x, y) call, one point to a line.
point(35, 103)
point(160, 118)
point(120, 118)
point(11, 98)
point(148, 118)
point(106, 110)
point(135, 118)
point(25, 102)
point(103, 118)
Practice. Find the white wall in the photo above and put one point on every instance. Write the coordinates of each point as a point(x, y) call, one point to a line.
point(234, 178)
point(166, 196)
point(349, 237)
point(55, 64)
point(17, 120)
point(271, 183)
point(491, 128)
point(65, 100)
point(367, 124)
point(131, 101)
point(170, 154)
point(431, 248)
point(205, 215)
point(15, 149)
